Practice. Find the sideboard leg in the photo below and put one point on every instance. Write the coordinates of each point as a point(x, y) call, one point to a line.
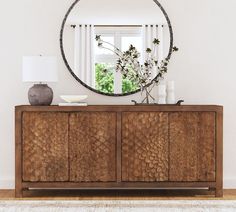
point(19, 193)
point(219, 192)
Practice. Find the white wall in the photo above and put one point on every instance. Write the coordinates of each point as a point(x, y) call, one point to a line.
point(119, 12)
point(203, 69)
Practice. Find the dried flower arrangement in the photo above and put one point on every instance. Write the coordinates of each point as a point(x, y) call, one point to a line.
point(128, 64)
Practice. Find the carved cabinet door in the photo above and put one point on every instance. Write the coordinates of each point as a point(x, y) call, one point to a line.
point(45, 147)
point(192, 146)
point(145, 147)
point(92, 147)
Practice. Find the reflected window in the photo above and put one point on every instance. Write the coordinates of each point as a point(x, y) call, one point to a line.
point(134, 40)
point(103, 51)
point(105, 60)
point(104, 77)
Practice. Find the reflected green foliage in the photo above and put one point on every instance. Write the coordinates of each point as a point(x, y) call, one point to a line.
point(105, 80)
point(129, 85)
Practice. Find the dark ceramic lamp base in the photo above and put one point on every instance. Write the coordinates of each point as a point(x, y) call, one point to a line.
point(40, 95)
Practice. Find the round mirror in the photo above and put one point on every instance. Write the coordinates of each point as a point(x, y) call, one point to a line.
point(92, 34)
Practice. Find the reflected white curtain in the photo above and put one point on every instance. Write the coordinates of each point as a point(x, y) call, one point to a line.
point(149, 33)
point(84, 66)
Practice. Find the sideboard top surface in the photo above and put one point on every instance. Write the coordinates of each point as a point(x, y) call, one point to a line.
point(121, 108)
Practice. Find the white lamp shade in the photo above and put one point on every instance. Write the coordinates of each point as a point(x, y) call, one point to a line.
point(39, 69)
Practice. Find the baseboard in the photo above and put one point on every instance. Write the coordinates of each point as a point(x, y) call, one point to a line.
point(229, 183)
point(7, 184)
point(10, 184)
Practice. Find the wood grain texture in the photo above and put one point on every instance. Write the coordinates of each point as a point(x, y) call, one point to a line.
point(192, 146)
point(123, 108)
point(92, 142)
point(18, 153)
point(67, 195)
point(206, 172)
point(219, 154)
point(118, 147)
point(145, 147)
point(115, 185)
point(45, 147)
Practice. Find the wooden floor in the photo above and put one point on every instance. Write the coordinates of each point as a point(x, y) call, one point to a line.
point(117, 195)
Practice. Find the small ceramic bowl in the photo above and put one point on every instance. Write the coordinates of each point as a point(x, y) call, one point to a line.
point(73, 98)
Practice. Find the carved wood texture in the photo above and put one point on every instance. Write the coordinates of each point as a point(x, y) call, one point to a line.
point(192, 146)
point(45, 146)
point(92, 147)
point(156, 146)
point(145, 146)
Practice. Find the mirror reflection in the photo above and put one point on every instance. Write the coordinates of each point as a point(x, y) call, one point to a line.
point(119, 24)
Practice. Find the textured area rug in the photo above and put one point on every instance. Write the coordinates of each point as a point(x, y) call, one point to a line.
point(129, 206)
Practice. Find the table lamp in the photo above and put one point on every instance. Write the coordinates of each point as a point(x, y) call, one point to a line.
point(40, 69)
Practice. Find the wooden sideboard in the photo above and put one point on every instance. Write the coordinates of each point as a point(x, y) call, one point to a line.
point(119, 147)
